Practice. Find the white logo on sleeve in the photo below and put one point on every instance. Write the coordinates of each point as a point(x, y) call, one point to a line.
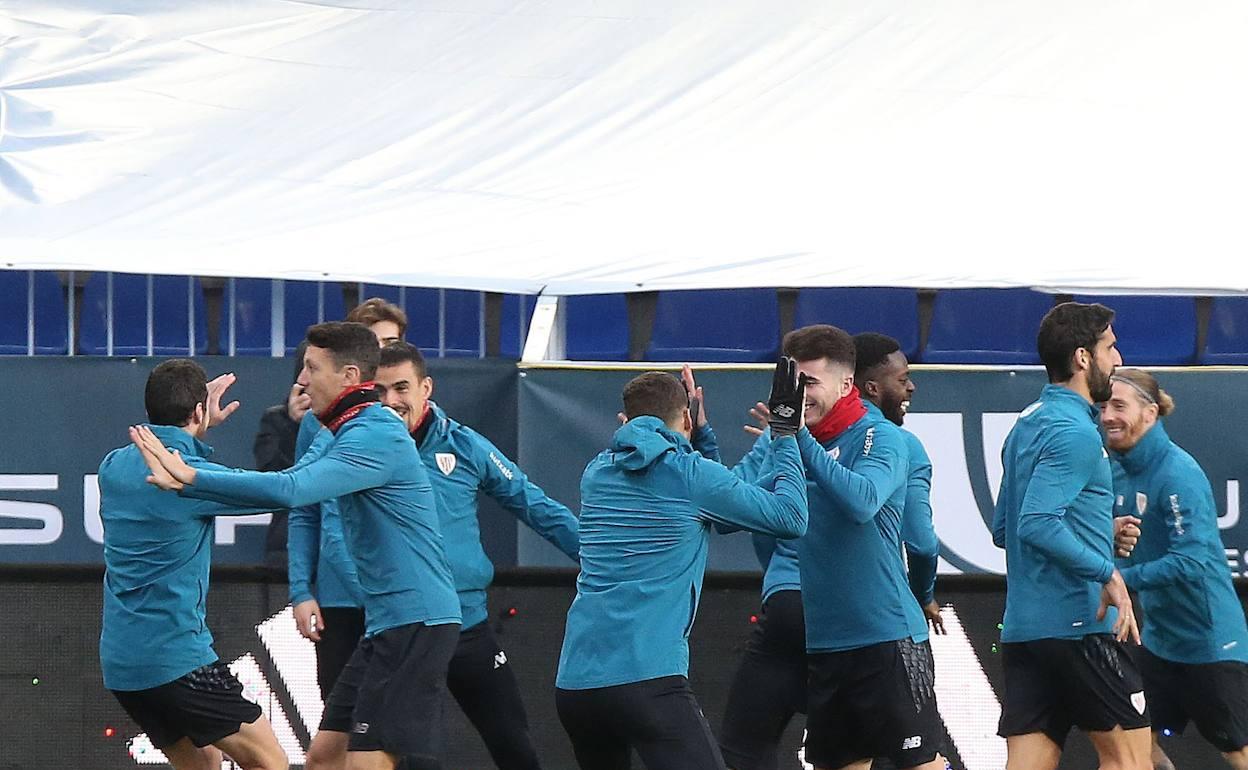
point(913, 742)
point(1177, 510)
point(503, 469)
point(1137, 700)
point(446, 462)
point(500, 659)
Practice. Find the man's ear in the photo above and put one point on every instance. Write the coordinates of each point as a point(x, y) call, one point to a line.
point(688, 421)
point(352, 374)
point(1083, 359)
point(428, 386)
point(870, 388)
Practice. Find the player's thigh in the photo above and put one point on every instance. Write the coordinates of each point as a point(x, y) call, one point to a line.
point(254, 746)
point(671, 732)
point(1124, 749)
point(328, 751)
point(1032, 751)
point(185, 755)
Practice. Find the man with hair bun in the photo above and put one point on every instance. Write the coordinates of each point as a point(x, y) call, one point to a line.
point(1195, 657)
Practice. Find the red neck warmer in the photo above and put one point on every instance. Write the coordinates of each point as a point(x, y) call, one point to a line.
point(350, 402)
point(843, 414)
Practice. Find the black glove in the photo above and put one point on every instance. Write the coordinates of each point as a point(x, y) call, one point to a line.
point(787, 400)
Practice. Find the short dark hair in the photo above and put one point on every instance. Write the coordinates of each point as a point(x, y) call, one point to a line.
point(397, 352)
point(657, 394)
point(871, 350)
point(350, 344)
point(811, 343)
point(375, 309)
point(173, 389)
point(1065, 329)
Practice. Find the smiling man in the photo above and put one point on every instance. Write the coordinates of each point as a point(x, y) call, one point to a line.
point(463, 464)
point(1195, 658)
point(882, 375)
point(840, 635)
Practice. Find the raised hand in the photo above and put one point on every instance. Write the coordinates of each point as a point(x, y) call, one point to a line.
point(216, 414)
point(760, 413)
point(787, 403)
point(697, 401)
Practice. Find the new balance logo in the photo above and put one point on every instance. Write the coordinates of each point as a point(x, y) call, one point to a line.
point(913, 742)
point(359, 728)
point(500, 659)
point(785, 411)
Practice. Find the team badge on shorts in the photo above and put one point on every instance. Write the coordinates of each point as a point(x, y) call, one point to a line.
point(446, 462)
point(1137, 700)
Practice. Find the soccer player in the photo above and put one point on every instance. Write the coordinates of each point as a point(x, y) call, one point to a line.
point(770, 685)
point(1195, 656)
point(395, 680)
point(882, 375)
point(155, 648)
point(648, 504)
point(462, 464)
point(1065, 664)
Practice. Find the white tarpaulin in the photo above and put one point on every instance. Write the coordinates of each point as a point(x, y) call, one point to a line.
point(611, 145)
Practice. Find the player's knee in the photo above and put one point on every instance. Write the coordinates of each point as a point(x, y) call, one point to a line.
point(323, 756)
point(1238, 760)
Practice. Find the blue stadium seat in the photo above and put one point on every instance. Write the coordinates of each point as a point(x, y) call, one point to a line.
point(597, 327)
point(514, 326)
point(716, 325)
point(173, 298)
point(986, 326)
point(308, 303)
point(1227, 341)
point(1152, 330)
point(427, 309)
point(894, 312)
point(51, 316)
point(305, 303)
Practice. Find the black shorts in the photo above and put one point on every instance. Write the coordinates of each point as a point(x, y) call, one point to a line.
point(1213, 695)
point(205, 705)
point(769, 686)
point(875, 701)
point(344, 626)
point(659, 718)
point(389, 696)
point(1052, 685)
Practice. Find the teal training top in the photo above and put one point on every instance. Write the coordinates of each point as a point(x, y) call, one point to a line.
point(157, 553)
point(1178, 567)
point(854, 587)
point(389, 515)
point(461, 464)
point(1054, 518)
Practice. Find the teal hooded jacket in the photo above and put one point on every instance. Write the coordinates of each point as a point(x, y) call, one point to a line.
point(649, 505)
point(1178, 567)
